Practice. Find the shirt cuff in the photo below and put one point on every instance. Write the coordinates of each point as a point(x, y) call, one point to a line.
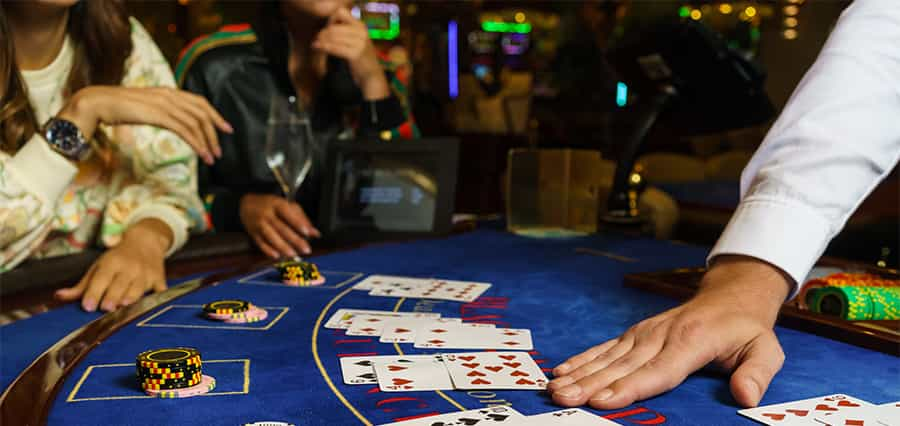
point(171, 216)
point(41, 170)
point(789, 236)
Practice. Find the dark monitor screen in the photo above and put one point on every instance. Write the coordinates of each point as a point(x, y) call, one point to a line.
point(381, 190)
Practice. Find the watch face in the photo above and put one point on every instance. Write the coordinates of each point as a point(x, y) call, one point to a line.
point(66, 137)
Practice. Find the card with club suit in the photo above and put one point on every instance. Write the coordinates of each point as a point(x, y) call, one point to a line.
point(358, 370)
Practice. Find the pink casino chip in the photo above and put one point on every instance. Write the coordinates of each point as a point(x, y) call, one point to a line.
point(206, 384)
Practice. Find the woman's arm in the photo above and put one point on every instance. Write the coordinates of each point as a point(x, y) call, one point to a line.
point(28, 195)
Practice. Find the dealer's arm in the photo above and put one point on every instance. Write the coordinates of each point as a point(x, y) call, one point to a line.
point(837, 138)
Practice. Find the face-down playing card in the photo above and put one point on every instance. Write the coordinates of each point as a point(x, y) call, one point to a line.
point(494, 370)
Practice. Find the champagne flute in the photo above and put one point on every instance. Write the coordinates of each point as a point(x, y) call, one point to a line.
point(289, 146)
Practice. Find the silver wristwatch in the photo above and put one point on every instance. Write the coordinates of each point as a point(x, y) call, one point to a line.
point(66, 139)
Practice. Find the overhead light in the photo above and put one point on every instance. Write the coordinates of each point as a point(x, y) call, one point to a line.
point(725, 8)
point(520, 17)
point(790, 22)
point(696, 14)
point(790, 34)
point(750, 11)
point(791, 10)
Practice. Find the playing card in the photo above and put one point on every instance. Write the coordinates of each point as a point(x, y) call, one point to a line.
point(494, 370)
point(453, 336)
point(879, 415)
point(368, 325)
point(411, 373)
point(358, 370)
point(343, 318)
point(373, 281)
point(403, 330)
point(804, 412)
point(568, 417)
point(499, 415)
point(457, 291)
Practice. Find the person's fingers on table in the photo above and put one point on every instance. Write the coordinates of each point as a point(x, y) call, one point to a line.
point(294, 215)
point(290, 235)
point(578, 360)
point(756, 368)
point(601, 361)
point(116, 291)
point(606, 372)
point(659, 374)
point(135, 291)
point(72, 293)
point(275, 240)
point(266, 248)
point(97, 286)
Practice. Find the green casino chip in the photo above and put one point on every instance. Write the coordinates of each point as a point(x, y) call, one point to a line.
point(858, 303)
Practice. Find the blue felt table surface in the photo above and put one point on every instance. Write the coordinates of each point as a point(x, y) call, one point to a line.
point(287, 367)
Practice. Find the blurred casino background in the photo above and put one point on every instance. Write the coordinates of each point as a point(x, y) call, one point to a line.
point(503, 75)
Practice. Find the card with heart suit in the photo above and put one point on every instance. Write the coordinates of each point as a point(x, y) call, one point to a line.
point(343, 318)
point(403, 330)
point(416, 288)
point(494, 370)
point(456, 337)
point(373, 281)
point(499, 415)
point(568, 417)
point(879, 415)
point(358, 370)
point(805, 411)
point(408, 373)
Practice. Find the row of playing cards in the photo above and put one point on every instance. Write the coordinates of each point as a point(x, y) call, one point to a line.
point(422, 288)
point(471, 370)
point(829, 410)
point(428, 330)
point(508, 416)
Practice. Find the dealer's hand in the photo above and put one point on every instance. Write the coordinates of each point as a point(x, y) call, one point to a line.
point(280, 228)
point(729, 323)
point(126, 271)
point(348, 38)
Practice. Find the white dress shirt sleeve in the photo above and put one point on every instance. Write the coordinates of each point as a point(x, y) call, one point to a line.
point(837, 138)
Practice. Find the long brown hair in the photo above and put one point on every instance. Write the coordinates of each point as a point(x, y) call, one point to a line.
point(101, 37)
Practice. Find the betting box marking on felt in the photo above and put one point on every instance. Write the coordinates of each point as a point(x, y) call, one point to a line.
point(145, 323)
point(251, 279)
point(245, 388)
point(400, 352)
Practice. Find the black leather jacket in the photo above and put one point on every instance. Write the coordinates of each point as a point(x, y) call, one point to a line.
point(238, 74)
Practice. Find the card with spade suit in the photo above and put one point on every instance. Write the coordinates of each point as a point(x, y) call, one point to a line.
point(805, 411)
point(358, 370)
point(411, 373)
point(494, 370)
point(499, 415)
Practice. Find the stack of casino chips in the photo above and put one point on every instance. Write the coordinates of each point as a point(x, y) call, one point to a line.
point(234, 311)
point(299, 273)
point(851, 296)
point(173, 373)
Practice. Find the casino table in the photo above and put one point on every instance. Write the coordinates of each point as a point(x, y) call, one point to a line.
point(70, 367)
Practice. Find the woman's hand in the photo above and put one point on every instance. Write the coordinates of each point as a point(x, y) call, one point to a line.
point(348, 38)
point(279, 228)
point(188, 115)
point(125, 272)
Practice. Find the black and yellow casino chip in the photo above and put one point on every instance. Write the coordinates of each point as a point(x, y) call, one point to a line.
point(224, 307)
point(169, 358)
